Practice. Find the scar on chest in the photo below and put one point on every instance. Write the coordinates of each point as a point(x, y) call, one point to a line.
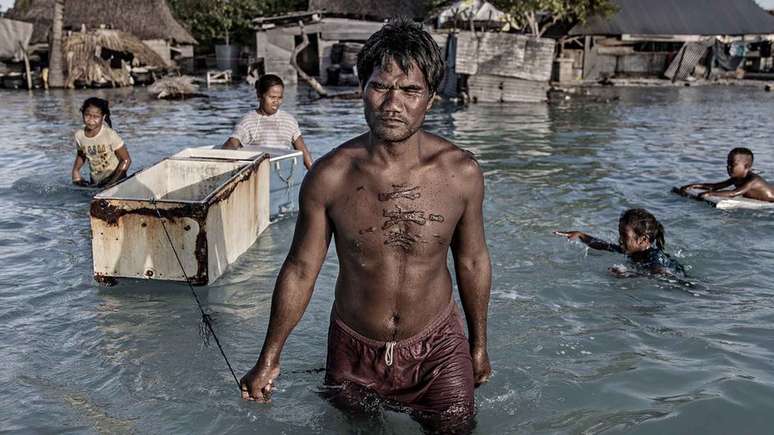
point(398, 216)
point(401, 191)
point(402, 239)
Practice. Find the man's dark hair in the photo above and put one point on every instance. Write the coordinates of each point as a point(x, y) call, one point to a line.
point(403, 41)
point(740, 151)
point(266, 81)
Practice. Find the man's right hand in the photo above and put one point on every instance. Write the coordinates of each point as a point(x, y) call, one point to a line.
point(80, 182)
point(257, 383)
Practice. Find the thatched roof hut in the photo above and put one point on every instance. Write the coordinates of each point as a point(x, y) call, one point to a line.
point(104, 57)
point(145, 19)
point(372, 9)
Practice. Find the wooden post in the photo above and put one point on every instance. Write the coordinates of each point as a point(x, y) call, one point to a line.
point(56, 70)
point(586, 55)
point(26, 65)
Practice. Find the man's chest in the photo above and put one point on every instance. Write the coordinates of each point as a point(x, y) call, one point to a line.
point(404, 216)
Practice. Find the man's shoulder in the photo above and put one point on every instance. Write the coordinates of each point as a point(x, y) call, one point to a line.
point(450, 157)
point(329, 174)
point(343, 156)
point(331, 169)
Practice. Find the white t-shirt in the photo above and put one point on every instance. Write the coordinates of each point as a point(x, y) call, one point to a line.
point(100, 151)
point(278, 130)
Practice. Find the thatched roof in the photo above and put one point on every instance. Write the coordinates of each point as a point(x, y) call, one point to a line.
point(146, 19)
point(83, 60)
point(373, 9)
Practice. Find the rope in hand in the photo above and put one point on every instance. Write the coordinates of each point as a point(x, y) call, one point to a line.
point(205, 329)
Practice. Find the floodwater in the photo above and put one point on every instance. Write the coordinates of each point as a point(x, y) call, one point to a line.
point(574, 349)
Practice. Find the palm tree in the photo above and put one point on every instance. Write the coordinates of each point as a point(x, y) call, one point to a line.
point(56, 74)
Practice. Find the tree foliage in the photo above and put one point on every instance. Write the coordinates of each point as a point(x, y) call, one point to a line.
point(535, 16)
point(218, 21)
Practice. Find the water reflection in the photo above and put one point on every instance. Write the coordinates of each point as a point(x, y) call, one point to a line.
point(574, 349)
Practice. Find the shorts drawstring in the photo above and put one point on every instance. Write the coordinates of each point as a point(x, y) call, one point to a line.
point(390, 345)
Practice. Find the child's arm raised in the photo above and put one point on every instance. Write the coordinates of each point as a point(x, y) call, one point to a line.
point(590, 241)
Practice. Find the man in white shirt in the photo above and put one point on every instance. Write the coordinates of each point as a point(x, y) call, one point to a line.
point(268, 125)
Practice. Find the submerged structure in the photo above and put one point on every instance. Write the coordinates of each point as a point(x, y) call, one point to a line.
point(14, 52)
point(150, 21)
point(646, 38)
point(490, 66)
point(106, 58)
point(502, 67)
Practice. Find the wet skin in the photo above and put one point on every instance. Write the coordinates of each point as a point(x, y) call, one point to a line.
point(745, 182)
point(395, 200)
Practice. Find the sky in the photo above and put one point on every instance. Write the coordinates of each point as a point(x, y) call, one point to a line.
point(768, 4)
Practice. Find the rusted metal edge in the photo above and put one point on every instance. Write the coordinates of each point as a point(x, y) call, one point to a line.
point(226, 189)
point(109, 213)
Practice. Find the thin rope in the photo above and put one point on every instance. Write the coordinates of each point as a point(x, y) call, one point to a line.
point(205, 317)
point(290, 176)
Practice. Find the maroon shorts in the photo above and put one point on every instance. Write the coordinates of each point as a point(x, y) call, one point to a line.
point(429, 372)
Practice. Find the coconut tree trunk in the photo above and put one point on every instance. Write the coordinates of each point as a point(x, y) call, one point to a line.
point(55, 66)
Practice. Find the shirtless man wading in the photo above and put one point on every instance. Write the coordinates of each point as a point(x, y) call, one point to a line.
point(396, 199)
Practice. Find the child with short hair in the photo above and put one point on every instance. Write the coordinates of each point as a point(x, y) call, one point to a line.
point(641, 239)
point(745, 182)
point(100, 145)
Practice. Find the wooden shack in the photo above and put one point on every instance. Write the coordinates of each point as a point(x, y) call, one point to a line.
point(504, 67)
point(642, 39)
point(151, 21)
point(277, 37)
point(106, 58)
point(14, 53)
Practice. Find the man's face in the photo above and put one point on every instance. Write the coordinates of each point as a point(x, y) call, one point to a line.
point(396, 102)
point(271, 99)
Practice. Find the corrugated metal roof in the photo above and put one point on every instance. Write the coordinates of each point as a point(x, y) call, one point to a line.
point(681, 17)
